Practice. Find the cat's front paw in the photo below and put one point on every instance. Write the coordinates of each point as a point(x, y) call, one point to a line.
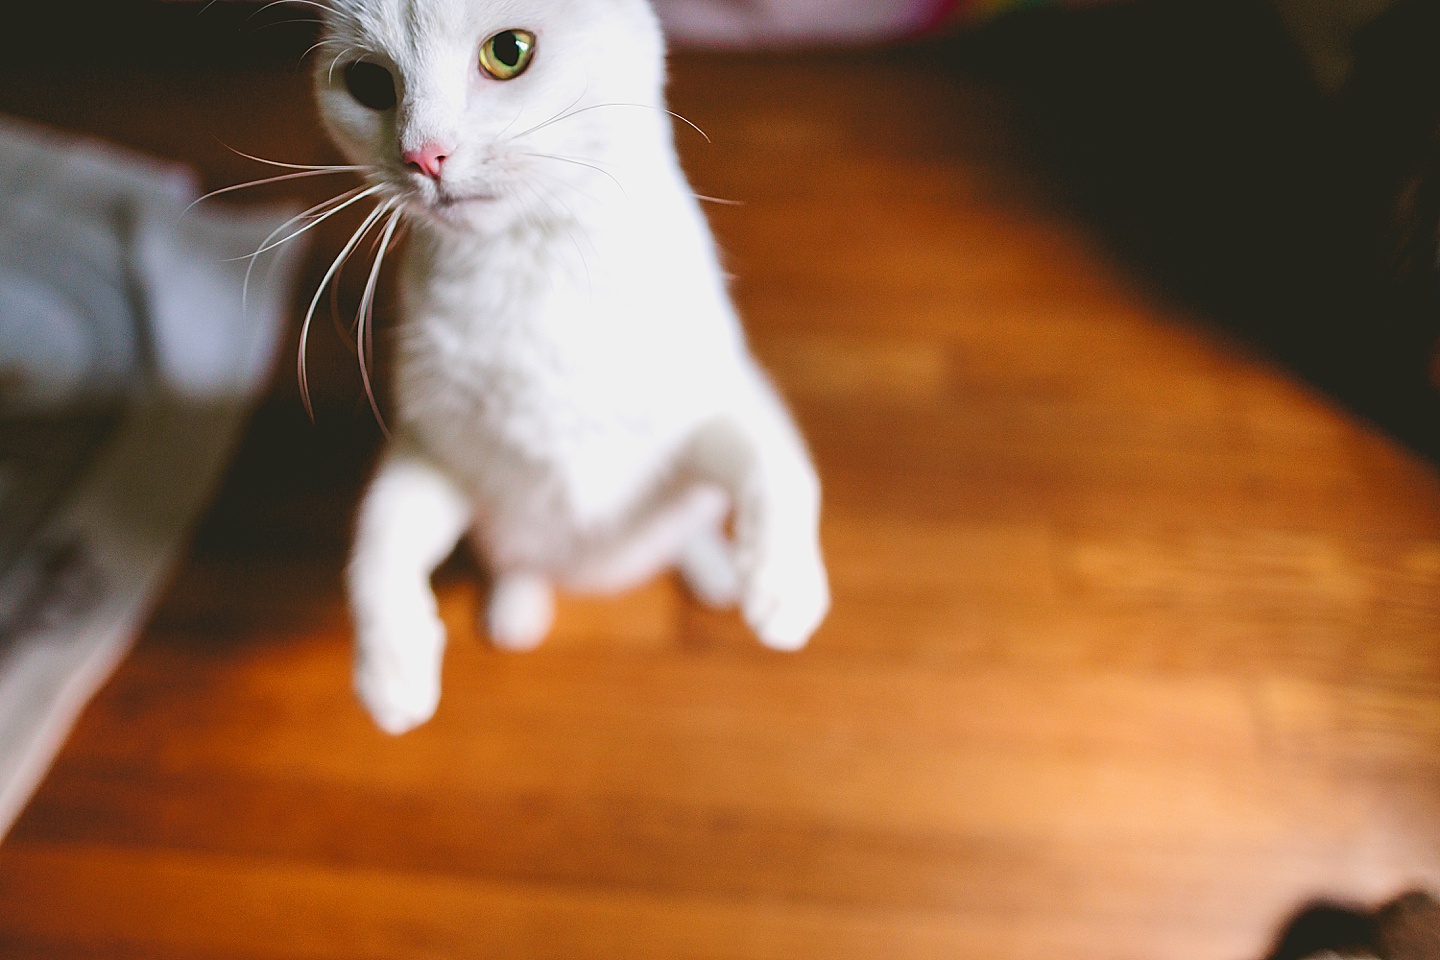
point(397, 674)
point(785, 595)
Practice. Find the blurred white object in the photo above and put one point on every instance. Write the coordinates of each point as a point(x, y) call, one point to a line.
point(127, 367)
point(108, 283)
point(777, 23)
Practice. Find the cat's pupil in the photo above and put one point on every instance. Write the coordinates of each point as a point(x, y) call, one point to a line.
point(370, 84)
point(507, 48)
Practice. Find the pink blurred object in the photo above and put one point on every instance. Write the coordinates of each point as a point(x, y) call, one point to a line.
point(775, 23)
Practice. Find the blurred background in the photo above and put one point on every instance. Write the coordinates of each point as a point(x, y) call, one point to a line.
point(1113, 328)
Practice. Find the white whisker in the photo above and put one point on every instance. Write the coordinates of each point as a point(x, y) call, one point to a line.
point(261, 183)
point(370, 219)
point(327, 41)
point(330, 73)
point(286, 23)
point(500, 137)
point(583, 163)
point(364, 192)
point(277, 3)
point(596, 106)
point(346, 332)
point(555, 119)
point(364, 324)
point(296, 166)
point(254, 258)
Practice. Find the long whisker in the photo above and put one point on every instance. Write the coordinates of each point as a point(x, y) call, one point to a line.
point(555, 119)
point(597, 106)
point(289, 23)
point(265, 244)
point(330, 73)
point(346, 331)
point(267, 247)
point(294, 166)
point(650, 106)
point(720, 200)
point(582, 163)
point(500, 137)
point(262, 182)
point(691, 124)
point(364, 325)
point(327, 41)
point(277, 3)
point(370, 219)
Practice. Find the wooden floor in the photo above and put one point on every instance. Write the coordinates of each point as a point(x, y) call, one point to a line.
point(1135, 645)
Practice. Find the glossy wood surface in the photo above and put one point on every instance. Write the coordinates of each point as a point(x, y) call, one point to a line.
point(1135, 644)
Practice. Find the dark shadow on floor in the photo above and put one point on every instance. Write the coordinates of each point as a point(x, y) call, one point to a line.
point(1190, 131)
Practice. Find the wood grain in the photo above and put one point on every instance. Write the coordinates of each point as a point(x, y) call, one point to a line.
point(1135, 646)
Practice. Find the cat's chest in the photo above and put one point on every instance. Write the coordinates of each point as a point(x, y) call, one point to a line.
point(540, 347)
point(542, 411)
point(543, 378)
point(555, 374)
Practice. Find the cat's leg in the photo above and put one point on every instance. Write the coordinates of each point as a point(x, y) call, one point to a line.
point(707, 563)
point(755, 453)
point(410, 519)
point(520, 612)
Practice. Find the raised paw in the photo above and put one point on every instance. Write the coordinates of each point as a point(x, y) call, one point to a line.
point(397, 673)
point(521, 611)
point(784, 597)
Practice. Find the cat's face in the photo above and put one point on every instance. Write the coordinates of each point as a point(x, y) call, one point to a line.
point(474, 112)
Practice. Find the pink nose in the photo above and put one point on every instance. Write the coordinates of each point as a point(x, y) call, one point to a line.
point(427, 159)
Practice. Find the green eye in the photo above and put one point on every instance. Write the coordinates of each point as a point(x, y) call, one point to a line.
point(506, 55)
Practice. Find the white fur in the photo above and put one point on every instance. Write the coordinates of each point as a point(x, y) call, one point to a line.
point(572, 383)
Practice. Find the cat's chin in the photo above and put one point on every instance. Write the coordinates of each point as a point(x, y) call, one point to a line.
point(463, 202)
point(460, 212)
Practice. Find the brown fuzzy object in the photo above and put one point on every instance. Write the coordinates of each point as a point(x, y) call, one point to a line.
point(1406, 928)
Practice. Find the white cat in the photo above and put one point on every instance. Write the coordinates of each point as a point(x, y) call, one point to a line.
point(572, 384)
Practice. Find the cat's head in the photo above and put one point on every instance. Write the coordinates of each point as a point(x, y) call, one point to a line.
point(473, 112)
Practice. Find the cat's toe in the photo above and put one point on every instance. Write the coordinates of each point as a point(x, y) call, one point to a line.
point(398, 701)
point(785, 603)
point(520, 613)
point(399, 681)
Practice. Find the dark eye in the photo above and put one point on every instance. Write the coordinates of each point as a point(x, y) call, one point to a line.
point(371, 84)
point(506, 55)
